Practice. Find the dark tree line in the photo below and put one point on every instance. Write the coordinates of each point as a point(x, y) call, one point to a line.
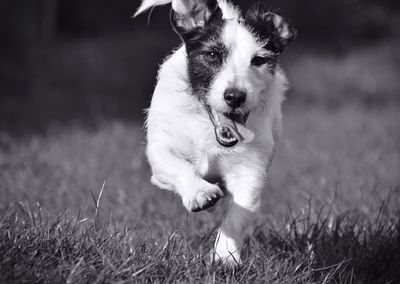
point(27, 20)
point(65, 59)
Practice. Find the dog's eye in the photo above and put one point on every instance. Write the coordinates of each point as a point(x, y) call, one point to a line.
point(213, 57)
point(259, 61)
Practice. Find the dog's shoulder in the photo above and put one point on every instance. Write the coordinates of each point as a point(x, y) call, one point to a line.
point(174, 66)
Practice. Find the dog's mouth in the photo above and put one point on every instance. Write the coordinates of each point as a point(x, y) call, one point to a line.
point(230, 127)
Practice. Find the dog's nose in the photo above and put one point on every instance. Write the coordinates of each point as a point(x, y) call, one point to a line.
point(234, 97)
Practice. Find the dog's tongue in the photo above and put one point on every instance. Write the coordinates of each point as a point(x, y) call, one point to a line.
point(229, 132)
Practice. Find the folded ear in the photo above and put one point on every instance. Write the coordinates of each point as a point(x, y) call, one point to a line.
point(272, 28)
point(147, 4)
point(189, 15)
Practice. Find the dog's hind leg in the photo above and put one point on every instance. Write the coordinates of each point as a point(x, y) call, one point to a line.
point(244, 182)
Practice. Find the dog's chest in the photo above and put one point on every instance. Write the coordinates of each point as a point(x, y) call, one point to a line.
point(204, 153)
point(208, 165)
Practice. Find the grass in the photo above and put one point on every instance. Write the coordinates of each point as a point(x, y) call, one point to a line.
point(366, 75)
point(330, 213)
point(39, 248)
point(322, 222)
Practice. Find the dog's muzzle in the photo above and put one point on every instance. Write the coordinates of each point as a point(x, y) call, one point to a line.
point(230, 128)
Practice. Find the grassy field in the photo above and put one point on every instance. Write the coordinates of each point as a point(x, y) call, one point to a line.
point(330, 213)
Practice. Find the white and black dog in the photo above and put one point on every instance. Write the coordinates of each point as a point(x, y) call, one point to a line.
point(215, 115)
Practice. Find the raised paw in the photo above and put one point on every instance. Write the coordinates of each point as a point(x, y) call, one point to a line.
point(203, 198)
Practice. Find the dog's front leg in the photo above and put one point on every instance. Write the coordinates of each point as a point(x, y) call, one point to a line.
point(172, 172)
point(244, 181)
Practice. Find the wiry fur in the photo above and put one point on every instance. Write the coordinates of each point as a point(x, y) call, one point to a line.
point(182, 149)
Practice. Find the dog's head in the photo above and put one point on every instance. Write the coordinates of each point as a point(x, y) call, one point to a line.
point(232, 58)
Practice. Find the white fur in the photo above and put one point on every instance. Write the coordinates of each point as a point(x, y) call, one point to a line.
point(182, 149)
point(229, 11)
point(147, 4)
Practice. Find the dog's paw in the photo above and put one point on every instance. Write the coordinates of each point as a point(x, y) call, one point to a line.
point(229, 259)
point(203, 199)
point(226, 251)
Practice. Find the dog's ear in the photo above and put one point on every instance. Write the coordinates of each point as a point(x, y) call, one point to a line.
point(189, 16)
point(148, 4)
point(276, 31)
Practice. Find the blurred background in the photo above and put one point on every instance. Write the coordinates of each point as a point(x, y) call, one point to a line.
point(79, 60)
point(75, 76)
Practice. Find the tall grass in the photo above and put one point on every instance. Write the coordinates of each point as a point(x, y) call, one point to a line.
point(37, 247)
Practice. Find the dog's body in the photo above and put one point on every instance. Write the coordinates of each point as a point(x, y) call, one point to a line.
point(197, 95)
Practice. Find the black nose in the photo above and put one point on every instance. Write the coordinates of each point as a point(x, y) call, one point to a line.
point(234, 97)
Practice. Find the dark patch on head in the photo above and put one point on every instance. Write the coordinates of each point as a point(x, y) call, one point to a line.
point(275, 30)
point(199, 11)
point(206, 52)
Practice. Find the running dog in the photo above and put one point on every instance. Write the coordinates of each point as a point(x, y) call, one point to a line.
point(215, 115)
